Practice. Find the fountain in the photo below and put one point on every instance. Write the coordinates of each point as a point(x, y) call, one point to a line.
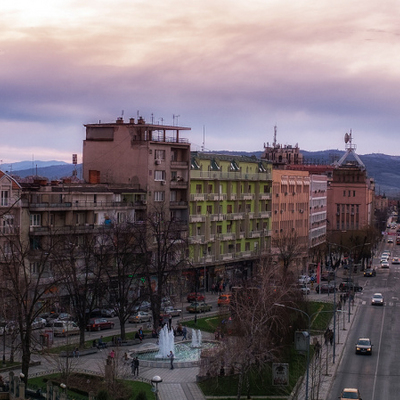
point(166, 342)
point(196, 338)
point(187, 353)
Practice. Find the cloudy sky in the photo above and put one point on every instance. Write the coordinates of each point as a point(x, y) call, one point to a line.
point(231, 69)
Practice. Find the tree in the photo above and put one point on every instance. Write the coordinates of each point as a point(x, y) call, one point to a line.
point(80, 262)
point(258, 327)
point(161, 249)
point(123, 272)
point(28, 283)
point(289, 249)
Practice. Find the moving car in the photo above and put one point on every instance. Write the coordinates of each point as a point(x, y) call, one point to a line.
point(195, 297)
point(350, 286)
point(197, 307)
point(139, 317)
point(364, 346)
point(107, 312)
point(65, 328)
point(377, 300)
point(395, 260)
point(385, 264)
point(38, 323)
point(390, 240)
point(174, 312)
point(350, 393)
point(224, 300)
point(99, 324)
point(370, 272)
point(142, 306)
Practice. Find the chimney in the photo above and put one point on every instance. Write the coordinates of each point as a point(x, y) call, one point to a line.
point(120, 120)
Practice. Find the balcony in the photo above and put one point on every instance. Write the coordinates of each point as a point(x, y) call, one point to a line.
point(247, 196)
point(197, 218)
point(230, 176)
point(216, 197)
point(264, 196)
point(197, 239)
point(234, 216)
point(232, 196)
point(264, 214)
point(217, 217)
point(198, 197)
point(228, 236)
point(80, 205)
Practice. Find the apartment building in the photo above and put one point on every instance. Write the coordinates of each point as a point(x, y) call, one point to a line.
point(351, 193)
point(230, 215)
point(152, 158)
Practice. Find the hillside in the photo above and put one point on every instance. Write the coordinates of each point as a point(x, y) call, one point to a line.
point(383, 168)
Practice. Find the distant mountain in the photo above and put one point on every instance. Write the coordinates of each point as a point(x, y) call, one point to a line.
point(383, 168)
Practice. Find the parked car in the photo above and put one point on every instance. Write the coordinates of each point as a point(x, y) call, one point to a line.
point(328, 276)
point(107, 312)
point(390, 240)
point(370, 272)
point(224, 300)
point(395, 260)
point(304, 289)
point(197, 307)
point(139, 317)
point(65, 328)
point(377, 300)
point(325, 288)
point(38, 323)
point(350, 393)
point(350, 287)
point(174, 312)
point(191, 297)
point(364, 346)
point(99, 324)
point(142, 306)
point(304, 279)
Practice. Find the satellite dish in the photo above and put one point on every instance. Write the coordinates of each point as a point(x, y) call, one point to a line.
point(346, 138)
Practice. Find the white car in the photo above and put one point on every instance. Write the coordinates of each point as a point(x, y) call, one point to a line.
point(385, 264)
point(350, 393)
point(139, 317)
point(395, 260)
point(377, 300)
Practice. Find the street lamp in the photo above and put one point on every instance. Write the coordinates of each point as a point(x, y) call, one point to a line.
point(155, 380)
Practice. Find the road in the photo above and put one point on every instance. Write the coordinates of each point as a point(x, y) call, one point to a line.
point(376, 376)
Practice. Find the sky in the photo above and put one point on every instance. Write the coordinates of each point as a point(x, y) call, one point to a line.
point(230, 70)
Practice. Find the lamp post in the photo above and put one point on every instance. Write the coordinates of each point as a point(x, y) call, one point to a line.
point(155, 380)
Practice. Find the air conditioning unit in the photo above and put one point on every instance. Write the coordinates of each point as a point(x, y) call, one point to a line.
point(277, 195)
point(144, 201)
point(163, 183)
point(158, 162)
point(301, 211)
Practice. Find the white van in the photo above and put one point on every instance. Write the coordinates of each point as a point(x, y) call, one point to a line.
point(65, 328)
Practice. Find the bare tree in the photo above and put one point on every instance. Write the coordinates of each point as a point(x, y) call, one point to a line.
point(161, 248)
point(80, 262)
point(258, 327)
point(123, 273)
point(289, 249)
point(27, 283)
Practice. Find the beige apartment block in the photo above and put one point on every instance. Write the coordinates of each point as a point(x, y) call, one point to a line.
point(290, 208)
point(149, 157)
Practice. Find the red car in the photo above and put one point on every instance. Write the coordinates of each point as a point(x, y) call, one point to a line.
point(191, 297)
point(98, 324)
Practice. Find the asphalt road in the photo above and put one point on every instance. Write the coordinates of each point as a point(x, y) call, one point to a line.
point(376, 376)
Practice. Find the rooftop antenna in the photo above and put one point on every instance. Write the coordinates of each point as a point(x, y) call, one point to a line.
point(137, 114)
point(204, 138)
point(152, 118)
point(122, 113)
point(275, 130)
point(175, 117)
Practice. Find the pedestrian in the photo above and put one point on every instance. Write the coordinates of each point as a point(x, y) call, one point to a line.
point(341, 298)
point(213, 288)
point(135, 366)
point(326, 336)
point(184, 333)
point(112, 354)
point(331, 337)
point(317, 348)
point(76, 352)
point(171, 357)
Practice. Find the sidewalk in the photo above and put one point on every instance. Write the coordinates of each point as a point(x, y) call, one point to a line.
point(180, 383)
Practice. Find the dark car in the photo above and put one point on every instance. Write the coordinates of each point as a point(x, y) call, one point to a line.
point(350, 287)
point(364, 346)
point(98, 324)
point(325, 288)
point(369, 272)
point(191, 297)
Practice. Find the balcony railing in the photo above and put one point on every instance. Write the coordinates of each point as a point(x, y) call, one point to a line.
point(197, 218)
point(261, 176)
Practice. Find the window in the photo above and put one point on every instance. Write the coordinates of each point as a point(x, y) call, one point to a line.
point(35, 220)
point(5, 195)
point(159, 196)
point(229, 209)
point(219, 229)
point(173, 195)
point(209, 209)
point(159, 155)
point(198, 210)
point(121, 217)
point(159, 175)
point(199, 189)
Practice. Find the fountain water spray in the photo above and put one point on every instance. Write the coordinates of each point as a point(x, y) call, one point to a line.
point(196, 338)
point(166, 342)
